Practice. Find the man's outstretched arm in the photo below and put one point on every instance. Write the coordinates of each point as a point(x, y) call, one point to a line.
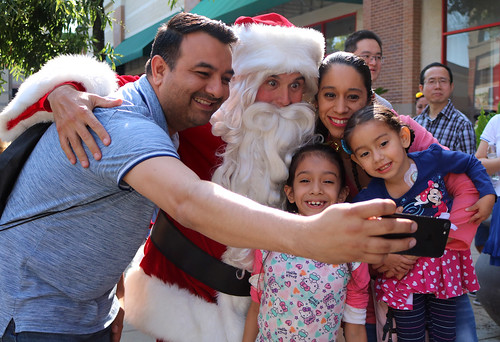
point(341, 233)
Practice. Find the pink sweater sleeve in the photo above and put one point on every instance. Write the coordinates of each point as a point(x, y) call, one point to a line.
point(423, 139)
point(256, 274)
point(357, 288)
point(458, 185)
point(465, 195)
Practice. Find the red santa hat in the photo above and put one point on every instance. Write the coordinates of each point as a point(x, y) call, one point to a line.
point(271, 19)
point(271, 44)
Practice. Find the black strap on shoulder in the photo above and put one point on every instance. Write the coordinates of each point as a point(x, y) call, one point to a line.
point(13, 158)
point(197, 263)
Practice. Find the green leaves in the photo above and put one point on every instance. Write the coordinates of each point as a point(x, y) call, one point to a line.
point(482, 120)
point(34, 31)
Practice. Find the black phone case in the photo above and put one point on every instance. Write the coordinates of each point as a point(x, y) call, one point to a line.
point(432, 235)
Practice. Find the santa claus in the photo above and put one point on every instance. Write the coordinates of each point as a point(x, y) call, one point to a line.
point(266, 117)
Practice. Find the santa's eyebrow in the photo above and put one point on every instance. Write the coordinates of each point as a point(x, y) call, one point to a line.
point(299, 78)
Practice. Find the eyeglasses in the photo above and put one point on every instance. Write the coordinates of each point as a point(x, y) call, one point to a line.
point(434, 81)
point(376, 58)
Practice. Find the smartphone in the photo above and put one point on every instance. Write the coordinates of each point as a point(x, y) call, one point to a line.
point(432, 235)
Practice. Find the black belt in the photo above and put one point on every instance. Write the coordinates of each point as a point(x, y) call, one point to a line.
point(187, 256)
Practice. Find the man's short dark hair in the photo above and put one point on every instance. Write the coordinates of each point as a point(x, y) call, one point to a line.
point(435, 64)
point(351, 42)
point(169, 36)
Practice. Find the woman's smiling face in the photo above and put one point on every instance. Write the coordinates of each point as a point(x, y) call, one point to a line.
point(341, 93)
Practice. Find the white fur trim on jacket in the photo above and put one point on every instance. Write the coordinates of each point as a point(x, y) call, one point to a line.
point(277, 50)
point(167, 312)
point(97, 77)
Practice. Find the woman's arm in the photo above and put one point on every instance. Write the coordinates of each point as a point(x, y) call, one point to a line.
point(458, 162)
point(423, 139)
point(465, 196)
point(467, 210)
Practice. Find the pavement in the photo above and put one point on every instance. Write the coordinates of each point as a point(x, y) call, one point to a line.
point(487, 329)
point(130, 334)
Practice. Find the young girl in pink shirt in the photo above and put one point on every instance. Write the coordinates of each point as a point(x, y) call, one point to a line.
point(296, 299)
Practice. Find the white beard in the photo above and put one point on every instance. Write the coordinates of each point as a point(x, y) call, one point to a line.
point(257, 156)
point(258, 153)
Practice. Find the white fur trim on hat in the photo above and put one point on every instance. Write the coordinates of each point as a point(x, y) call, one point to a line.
point(167, 312)
point(277, 50)
point(97, 77)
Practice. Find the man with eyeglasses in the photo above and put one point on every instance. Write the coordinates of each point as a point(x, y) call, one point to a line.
point(446, 123)
point(454, 130)
point(367, 45)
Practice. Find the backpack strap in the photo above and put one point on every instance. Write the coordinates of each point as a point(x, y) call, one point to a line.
point(188, 257)
point(13, 158)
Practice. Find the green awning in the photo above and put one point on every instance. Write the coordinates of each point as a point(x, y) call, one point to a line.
point(139, 44)
point(229, 10)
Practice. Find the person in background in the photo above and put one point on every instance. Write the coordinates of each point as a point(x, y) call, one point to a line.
point(285, 288)
point(368, 45)
point(420, 103)
point(446, 123)
point(484, 228)
point(491, 161)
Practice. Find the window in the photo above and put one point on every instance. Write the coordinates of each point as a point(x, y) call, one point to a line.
point(472, 46)
point(336, 31)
